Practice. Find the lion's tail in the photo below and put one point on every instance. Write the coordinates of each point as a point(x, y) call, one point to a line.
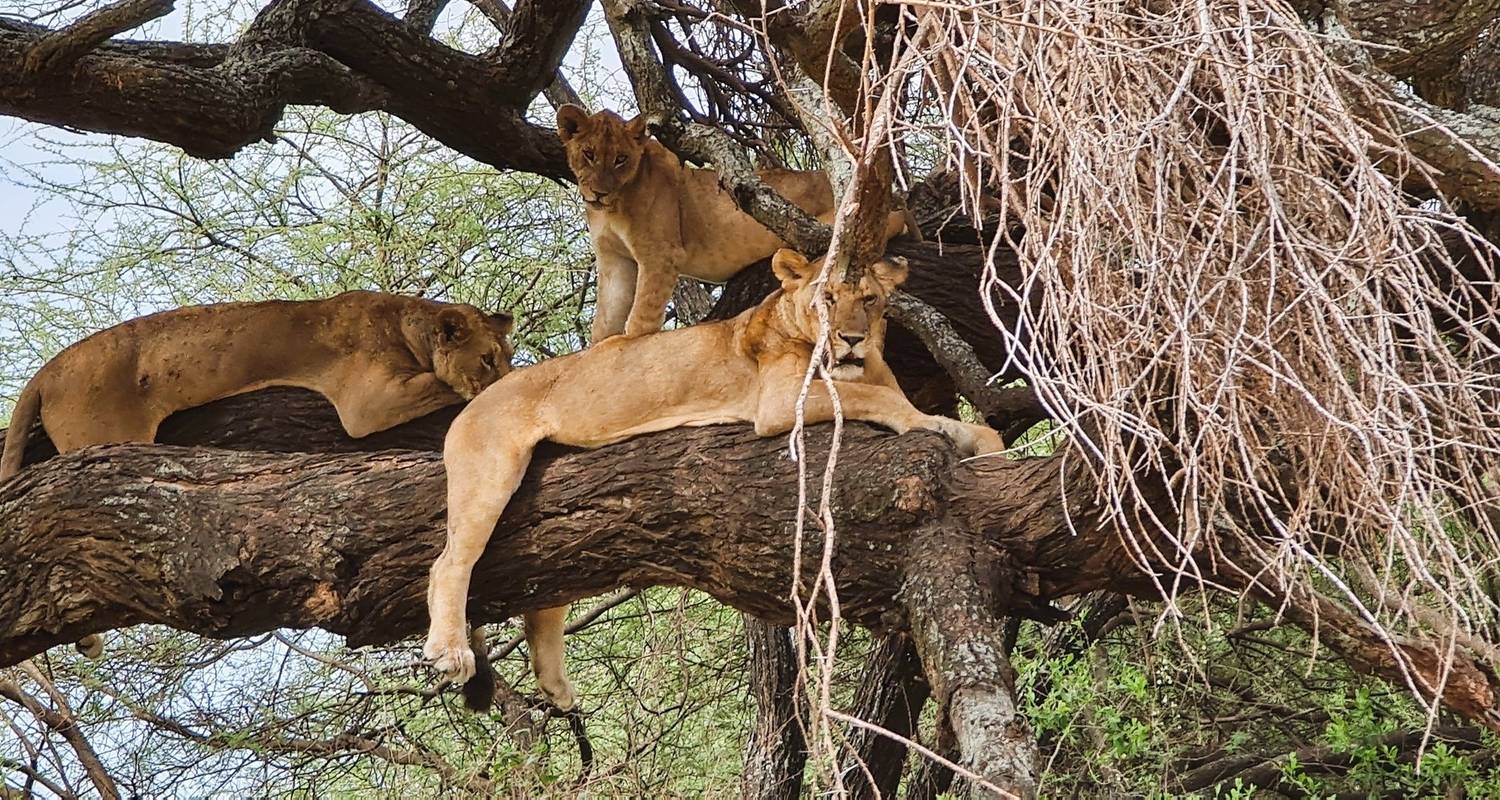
point(28, 409)
point(479, 691)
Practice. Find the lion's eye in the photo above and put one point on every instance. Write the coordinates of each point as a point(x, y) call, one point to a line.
point(828, 298)
point(870, 300)
point(588, 155)
point(620, 160)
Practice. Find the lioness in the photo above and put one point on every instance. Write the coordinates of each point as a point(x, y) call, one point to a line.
point(746, 369)
point(380, 359)
point(651, 218)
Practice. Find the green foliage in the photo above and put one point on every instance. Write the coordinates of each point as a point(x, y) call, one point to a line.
point(1135, 713)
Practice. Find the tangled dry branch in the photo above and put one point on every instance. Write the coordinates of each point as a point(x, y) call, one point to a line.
point(1229, 290)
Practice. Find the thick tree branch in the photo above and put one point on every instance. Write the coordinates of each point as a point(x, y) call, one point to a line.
point(537, 36)
point(557, 91)
point(1422, 42)
point(371, 524)
point(348, 55)
point(197, 98)
point(60, 48)
point(950, 602)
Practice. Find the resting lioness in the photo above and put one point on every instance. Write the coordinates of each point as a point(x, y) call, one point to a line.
point(746, 369)
point(380, 359)
point(651, 218)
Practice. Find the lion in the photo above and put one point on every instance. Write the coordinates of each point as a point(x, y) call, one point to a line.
point(381, 360)
point(746, 369)
point(651, 218)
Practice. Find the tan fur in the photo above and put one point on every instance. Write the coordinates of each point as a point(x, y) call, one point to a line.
point(746, 369)
point(651, 218)
point(381, 360)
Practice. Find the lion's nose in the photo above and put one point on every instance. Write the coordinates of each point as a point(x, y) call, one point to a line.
point(852, 339)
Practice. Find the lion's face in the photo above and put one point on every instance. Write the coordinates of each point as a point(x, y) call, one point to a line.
point(603, 150)
point(471, 350)
point(856, 314)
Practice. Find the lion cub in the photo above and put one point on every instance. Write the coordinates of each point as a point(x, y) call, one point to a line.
point(651, 218)
point(746, 369)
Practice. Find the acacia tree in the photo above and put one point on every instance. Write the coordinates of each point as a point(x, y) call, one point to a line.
point(1240, 266)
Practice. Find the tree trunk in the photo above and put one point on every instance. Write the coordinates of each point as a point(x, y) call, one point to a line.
point(777, 750)
point(892, 691)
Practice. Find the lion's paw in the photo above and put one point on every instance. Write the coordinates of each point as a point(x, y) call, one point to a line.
point(450, 655)
point(986, 440)
point(970, 439)
point(560, 694)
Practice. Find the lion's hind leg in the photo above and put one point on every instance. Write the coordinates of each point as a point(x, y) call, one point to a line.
point(544, 638)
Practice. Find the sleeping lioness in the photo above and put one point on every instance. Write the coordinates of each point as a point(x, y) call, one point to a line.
point(746, 369)
point(651, 218)
point(380, 359)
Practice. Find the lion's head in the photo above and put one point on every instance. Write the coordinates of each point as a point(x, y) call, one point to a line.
point(470, 349)
point(604, 151)
point(856, 314)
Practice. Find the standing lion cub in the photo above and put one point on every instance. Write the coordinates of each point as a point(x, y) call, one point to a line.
point(746, 369)
point(651, 218)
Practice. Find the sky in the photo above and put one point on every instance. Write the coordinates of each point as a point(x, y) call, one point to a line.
point(19, 138)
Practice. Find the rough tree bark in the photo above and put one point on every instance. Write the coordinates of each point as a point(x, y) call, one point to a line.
point(229, 543)
point(777, 750)
point(892, 691)
point(348, 55)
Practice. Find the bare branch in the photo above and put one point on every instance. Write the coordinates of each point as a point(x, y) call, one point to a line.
point(60, 719)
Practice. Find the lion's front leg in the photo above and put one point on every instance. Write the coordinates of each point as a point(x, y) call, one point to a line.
point(776, 407)
point(384, 401)
point(616, 292)
point(653, 288)
point(481, 478)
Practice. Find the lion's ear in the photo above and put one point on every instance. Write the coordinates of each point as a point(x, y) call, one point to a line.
point(637, 127)
point(571, 120)
point(504, 322)
point(890, 272)
point(453, 327)
point(791, 268)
